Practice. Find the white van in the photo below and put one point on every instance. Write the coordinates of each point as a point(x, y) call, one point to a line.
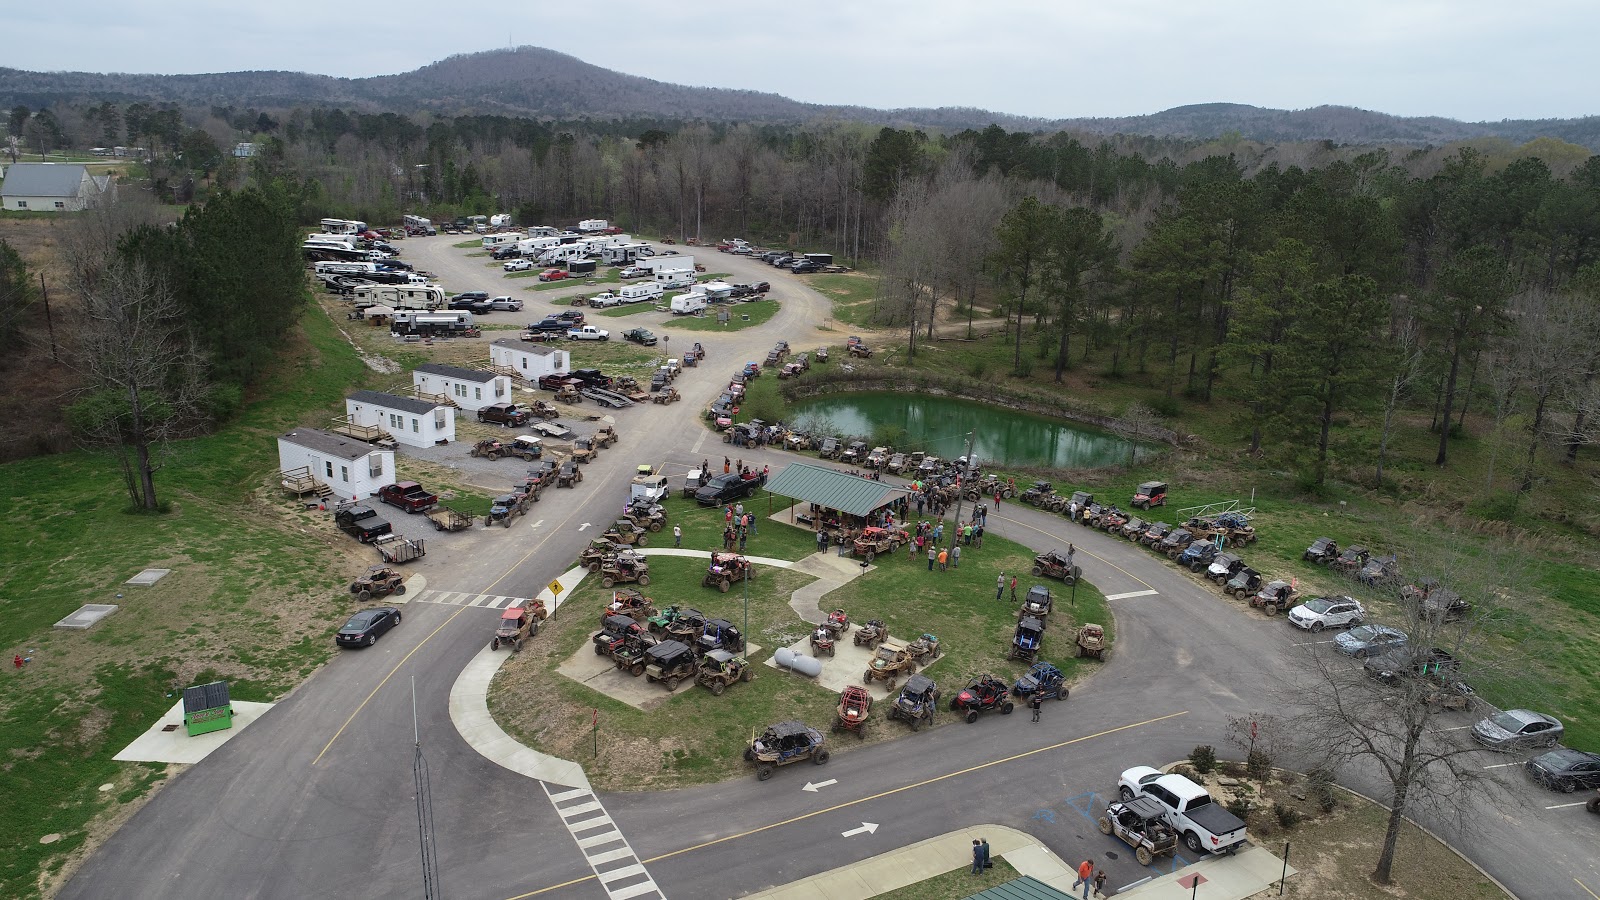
point(688, 304)
point(640, 293)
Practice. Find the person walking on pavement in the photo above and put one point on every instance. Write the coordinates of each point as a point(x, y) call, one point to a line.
point(977, 858)
point(677, 536)
point(1085, 877)
point(727, 465)
point(955, 557)
point(822, 541)
point(1100, 877)
point(1000, 586)
point(983, 848)
point(1036, 703)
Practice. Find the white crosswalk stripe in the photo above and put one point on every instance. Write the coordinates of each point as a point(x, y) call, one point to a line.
point(608, 853)
point(459, 598)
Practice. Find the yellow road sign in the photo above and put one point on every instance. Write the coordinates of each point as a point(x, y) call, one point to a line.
point(555, 588)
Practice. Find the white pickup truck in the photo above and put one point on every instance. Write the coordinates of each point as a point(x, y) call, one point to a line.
point(605, 300)
point(1204, 826)
point(588, 333)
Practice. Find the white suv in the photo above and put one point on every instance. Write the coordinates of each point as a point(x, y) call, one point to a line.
point(1327, 612)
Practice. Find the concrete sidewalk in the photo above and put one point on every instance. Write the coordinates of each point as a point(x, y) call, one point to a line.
point(923, 860)
point(1227, 878)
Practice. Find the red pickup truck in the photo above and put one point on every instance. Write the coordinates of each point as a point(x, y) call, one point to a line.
point(409, 496)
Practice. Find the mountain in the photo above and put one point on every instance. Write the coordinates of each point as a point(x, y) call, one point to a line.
point(532, 81)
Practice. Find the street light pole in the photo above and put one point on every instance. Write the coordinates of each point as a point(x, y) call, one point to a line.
point(966, 477)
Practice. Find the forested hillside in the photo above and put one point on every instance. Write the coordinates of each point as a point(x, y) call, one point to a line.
point(540, 83)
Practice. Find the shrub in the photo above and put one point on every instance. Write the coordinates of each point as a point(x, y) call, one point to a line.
point(1258, 764)
point(1204, 759)
point(1024, 368)
point(1166, 407)
point(978, 369)
point(1321, 781)
point(1288, 816)
point(1241, 806)
point(1498, 507)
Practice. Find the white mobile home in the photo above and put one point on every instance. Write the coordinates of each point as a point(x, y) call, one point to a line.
point(470, 389)
point(343, 226)
point(416, 423)
point(352, 469)
point(503, 239)
point(539, 231)
point(530, 361)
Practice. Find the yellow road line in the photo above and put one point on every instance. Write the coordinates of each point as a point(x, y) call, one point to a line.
point(849, 803)
point(1082, 550)
point(386, 681)
point(1586, 890)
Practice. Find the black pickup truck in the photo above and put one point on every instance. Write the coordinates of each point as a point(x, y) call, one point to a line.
point(725, 489)
point(362, 523)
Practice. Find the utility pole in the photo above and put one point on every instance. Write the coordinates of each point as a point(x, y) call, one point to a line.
point(419, 774)
point(961, 489)
point(48, 319)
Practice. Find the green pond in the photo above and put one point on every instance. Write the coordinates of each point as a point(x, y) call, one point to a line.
point(939, 426)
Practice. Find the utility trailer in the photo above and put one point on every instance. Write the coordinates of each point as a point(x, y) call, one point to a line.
point(397, 548)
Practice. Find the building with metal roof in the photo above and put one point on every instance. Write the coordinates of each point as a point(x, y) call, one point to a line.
point(831, 489)
point(52, 187)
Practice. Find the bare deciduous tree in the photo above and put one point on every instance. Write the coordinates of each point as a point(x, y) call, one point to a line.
point(1408, 359)
point(1378, 719)
point(1137, 423)
point(145, 377)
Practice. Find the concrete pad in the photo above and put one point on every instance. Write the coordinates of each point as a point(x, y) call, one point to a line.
point(847, 665)
point(86, 616)
point(1247, 872)
point(176, 746)
point(600, 673)
point(148, 577)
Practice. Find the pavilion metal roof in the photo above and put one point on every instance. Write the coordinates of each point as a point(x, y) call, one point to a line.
point(830, 489)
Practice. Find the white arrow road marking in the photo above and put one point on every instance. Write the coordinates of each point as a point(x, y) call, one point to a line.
point(866, 827)
point(821, 784)
point(538, 523)
point(583, 526)
point(1130, 594)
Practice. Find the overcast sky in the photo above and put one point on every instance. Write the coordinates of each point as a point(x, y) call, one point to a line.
point(1465, 59)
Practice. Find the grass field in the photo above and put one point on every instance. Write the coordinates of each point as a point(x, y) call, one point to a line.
point(852, 294)
point(631, 309)
point(693, 737)
point(86, 694)
point(741, 316)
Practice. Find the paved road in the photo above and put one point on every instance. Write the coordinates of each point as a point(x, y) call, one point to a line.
point(316, 800)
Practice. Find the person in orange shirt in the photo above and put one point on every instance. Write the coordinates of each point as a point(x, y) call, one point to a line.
point(1085, 877)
